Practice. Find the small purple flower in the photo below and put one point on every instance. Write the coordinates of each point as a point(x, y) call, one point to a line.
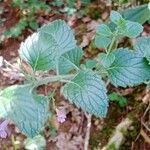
point(3, 134)
point(61, 115)
point(14, 75)
point(4, 131)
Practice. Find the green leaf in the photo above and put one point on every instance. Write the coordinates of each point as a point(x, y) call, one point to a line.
point(36, 143)
point(61, 35)
point(42, 49)
point(33, 24)
point(104, 30)
point(115, 17)
point(131, 29)
point(103, 36)
point(38, 51)
point(138, 14)
point(90, 64)
point(70, 60)
point(142, 47)
point(28, 111)
point(116, 97)
point(128, 69)
point(106, 59)
point(102, 41)
point(88, 92)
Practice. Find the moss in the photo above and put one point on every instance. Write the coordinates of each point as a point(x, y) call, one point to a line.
point(123, 131)
point(114, 117)
point(112, 147)
point(93, 13)
point(101, 136)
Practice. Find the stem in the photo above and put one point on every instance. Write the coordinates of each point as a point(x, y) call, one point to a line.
point(57, 67)
point(112, 42)
point(47, 80)
point(111, 45)
point(87, 136)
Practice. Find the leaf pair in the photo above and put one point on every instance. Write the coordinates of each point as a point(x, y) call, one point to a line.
point(121, 27)
point(129, 67)
point(125, 27)
point(53, 43)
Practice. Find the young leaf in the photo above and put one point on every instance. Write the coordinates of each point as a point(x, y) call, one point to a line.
point(90, 64)
point(142, 47)
point(132, 29)
point(115, 17)
point(125, 28)
point(102, 41)
point(128, 69)
point(87, 91)
point(70, 60)
point(104, 30)
point(103, 36)
point(28, 111)
point(106, 59)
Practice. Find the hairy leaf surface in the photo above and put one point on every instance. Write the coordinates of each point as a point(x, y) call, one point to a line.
point(70, 60)
point(131, 29)
point(42, 49)
point(61, 34)
point(138, 14)
point(28, 111)
point(104, 30)
point(142, 47)
point(106, 59)
point(115, 17)
point(128, 69)
point(88, 92)
point(102, 41)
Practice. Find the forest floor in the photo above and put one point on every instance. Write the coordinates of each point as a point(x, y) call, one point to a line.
point(71, 134)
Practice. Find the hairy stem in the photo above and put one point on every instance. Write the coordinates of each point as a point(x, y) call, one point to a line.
point(111, 44)
point(49, 79)
point(113, 41)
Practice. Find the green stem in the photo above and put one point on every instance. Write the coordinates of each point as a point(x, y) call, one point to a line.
point(57, 67)
point(111, 45)
point(112, 42)
point(49, 79)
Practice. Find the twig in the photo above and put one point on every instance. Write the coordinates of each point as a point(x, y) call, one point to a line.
point(87, 136)
point(145, 136)
point(142, 119)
